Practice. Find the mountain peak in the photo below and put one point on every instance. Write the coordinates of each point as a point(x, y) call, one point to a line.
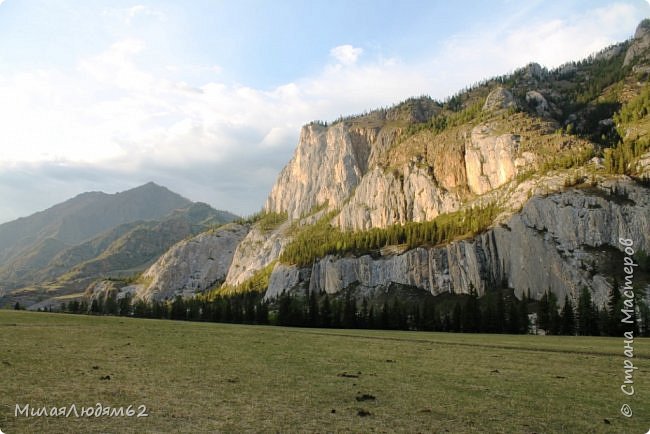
point(152, 184)
point(86, 215)
point(149, 186)
point(642, 29)
point(640, 46)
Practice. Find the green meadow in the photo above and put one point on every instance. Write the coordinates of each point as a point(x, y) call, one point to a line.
point(207, 377)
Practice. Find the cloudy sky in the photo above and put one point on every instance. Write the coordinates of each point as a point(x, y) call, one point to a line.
point(207, 97)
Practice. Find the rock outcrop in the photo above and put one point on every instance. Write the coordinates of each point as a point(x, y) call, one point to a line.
point(329, 162)
point(499, 98)
point(490, 159)
point(399, 179)
point(257, 250)
point(640, 44)
point(384, 198)
point(534, 72)
point(561, 242)
point(539, 103)
point(194, 265)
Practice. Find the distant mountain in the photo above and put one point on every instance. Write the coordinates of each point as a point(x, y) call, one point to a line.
point(97, 235)
point(86, 216)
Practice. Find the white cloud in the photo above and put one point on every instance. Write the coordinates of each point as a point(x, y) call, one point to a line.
point(488, 51)
point(128, 15)
point(346, 54)
point(148, 11)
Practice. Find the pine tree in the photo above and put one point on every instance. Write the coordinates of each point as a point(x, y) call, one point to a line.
point(399, 314)
point(500, 317)
point(336, 313)
point(349, 311)
point(555, 323)
point(249, 308)
point(446, 324)
point(544, 313)
point(96, 306)
point(514, 326)
point(296, 312)
point(472, 313)
point(523, 317)
point(124, 305)
point(417, 322)
point(227, 310)
point(457, 313)
point(489, 316)
point(429, 314)
point(313, 313)
point(645, 318)
point(372, 321)
point(568, 317)
point(158, 310)
point(110, 307)
point(237, 309)
point(385, 322)
point(178, 311)
point(326, 312)
point(585, 312)
point(261, 313)
point(595, 322)
point(363, 314)
point(284, 310)
point(74, 306)
point(217, 309)
point(614, 310)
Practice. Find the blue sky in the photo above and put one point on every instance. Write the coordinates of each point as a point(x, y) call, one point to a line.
point(208, 97)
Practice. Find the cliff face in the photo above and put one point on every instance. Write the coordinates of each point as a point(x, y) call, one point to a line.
point(512, 143)
point(490, 159)
point(638, 50)
point(377, 177)
point(384, 198)
point(328, 163)
point(562, 242)
point(257, 250)
point(193, 265)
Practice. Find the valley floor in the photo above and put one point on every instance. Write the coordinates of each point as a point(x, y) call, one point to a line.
point(206, 377)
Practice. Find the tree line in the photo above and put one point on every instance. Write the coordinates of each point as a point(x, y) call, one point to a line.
point(239, 308)
point(619, 159)
point(497, 311)
point(321, 239)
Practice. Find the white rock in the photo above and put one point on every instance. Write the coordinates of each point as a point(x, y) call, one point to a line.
point(193, 265)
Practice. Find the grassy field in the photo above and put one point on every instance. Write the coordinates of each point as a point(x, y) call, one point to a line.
point(204, 377)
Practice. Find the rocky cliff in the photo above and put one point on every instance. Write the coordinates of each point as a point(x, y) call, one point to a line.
point(257, 250)
point(638, 51)
point(328, 163)
point(194, 265)
point(562, 242)
point(413, 177)
point(511, 142)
